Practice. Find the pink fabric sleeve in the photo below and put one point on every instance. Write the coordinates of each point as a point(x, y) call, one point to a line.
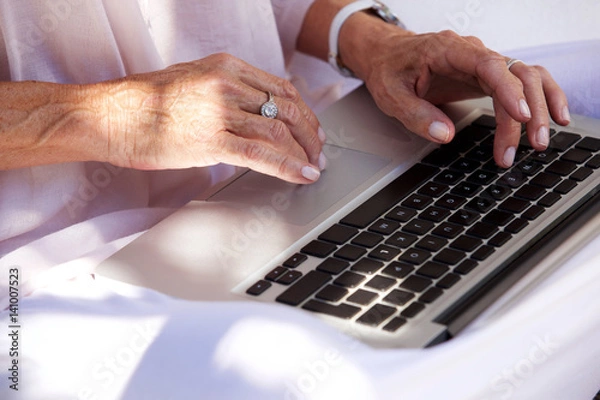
point(290, 15)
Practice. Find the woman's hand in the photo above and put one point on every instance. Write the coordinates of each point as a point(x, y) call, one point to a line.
point(408, 75)
point(208, 112)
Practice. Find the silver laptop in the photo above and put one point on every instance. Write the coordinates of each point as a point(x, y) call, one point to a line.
point(401, 243)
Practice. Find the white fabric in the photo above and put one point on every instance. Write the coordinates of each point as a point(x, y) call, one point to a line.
point(57, 222)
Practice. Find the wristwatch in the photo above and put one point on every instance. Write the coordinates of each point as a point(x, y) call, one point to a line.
point(377, 7)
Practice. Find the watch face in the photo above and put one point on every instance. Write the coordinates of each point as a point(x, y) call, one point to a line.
point(385, 13)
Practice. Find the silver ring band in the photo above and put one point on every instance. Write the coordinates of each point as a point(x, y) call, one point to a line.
point(512, 62)
point(269, 108)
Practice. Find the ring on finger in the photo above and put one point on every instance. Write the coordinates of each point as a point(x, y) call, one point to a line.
point(269, 108)
point(512, 62)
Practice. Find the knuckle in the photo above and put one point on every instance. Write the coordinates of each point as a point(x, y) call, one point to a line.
point(291, 112)
point(289, 91)
point(253, 153)
point(278, 132)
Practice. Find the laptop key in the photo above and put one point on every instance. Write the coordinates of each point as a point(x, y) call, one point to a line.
point(562, 168)
point(516, 226)
point(367, 239)
point(449, 256)
point(394, 324)
point(350, 252)
point(415, 256)
point(589, 143)
point(482, 230)
point(401, 240)
point(380, 283)
point(563, 140)
point(530, 192)
point(466, 266)
point(412, 310)
point(416, 283)
point(276, 274)
point(319, 249)
point(565, 186)
point(398, 270)
point(448, 281)
point(549, 200)
point(333, 266)
point(289, 277)
point(401, 214)
point(581, 174)
point(418, 226)
point(349, 279)
point(431, 295)
point(448, 230)
point(331, 293)
point(295, 260)
point(546, 180)
point(367, 266)
point(594, 163)
point(344, 311)
point(303, 288)
point(384, 227)
point(338, 234)
point(483, 252)
point(399, 297)
point(362, 297)
point(376, 315)
point(578, 156)
point(533, 212)
point(384, 253)
point(432, 270)
point(258, 288)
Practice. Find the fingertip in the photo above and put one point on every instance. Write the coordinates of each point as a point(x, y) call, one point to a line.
point(310, 172)
point(565, 116)
point(439, 132)
point(509, 157)
point(524, 109)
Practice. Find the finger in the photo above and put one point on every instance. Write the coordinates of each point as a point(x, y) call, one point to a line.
point(272, 132)
point(508, 135)
point(262, 158)
point(538, 127)
point(417, 115)
point(556, 98)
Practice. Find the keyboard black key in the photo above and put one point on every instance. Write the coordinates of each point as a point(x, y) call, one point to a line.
point(385, 253)
point(431, 295)
point(450, 201)
point(434, 214)
point(414, 256)
point(545, 180)
point(449, 177)
point(514, 205)
point(376, 315)
point(349, 279)
point(481, 204)
point(398, 270)
point(402, 239)
point(307, 285)
point(466, 243)
point(578, 156)
point(331, 293)
point(482, 177)
point(295, 260)
point(380, 283)
point(487, 121)
point(432, 270)
point(499, 239)
point(258, 288)
point(482, 230)
point(417, 201)
point(513, 179)
point(401, 214)
point(533, 212)
point(395, 324)
point(530, 192)
point(367, 239)
point(399, 297)
point(416, 283)
point(480, 153)
point(464, 217)
point(344, 311)
point(367, 266)
point(338, 234)
point(433, 189)
point(276, 274)
point(440, 157)
point(563, 140)
point(545, 157)
point(392, 194)
point(516, 226)
point(333, 266)
point(350, 252)
point(466, 266)
point(529, 167)
point(562, 168)
point(497, 192)
point(465, 165)
point(449, 256)
point(431, 243)
point(466, 189)
point(589, 143)
point(581, 174)
point(594, 163)
point(412, 310)
point(565, 186)
point(289, 277)
point(418, 226)
point(549, 199)
point(384, 226)
point(483, 252)
point(448, 230)
point(362, 297)
point(319, 248)
point(497, 217)
point(448, 281)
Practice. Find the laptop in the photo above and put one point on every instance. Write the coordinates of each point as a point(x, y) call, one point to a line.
point(401, 243)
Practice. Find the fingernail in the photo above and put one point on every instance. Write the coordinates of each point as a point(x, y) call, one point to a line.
point(439, 131)
point(322, 135)
point(543, 137)
point(509, 156)
point(310, 173)
point(525, 111)
point(566, 115)
point(322, 161)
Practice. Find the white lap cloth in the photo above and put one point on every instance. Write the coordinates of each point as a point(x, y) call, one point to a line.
point(85, 338)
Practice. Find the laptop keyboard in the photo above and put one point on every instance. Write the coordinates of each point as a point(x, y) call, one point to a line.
point(407, 245)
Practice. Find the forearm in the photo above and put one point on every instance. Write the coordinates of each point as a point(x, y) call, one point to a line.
point(358, 37)
point(44, 123)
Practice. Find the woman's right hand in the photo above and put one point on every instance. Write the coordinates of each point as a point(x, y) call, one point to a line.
point(206, 112)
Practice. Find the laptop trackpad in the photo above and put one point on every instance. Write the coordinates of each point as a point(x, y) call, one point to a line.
point(300, 204)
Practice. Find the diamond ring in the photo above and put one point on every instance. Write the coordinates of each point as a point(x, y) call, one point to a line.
point(269, 109)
